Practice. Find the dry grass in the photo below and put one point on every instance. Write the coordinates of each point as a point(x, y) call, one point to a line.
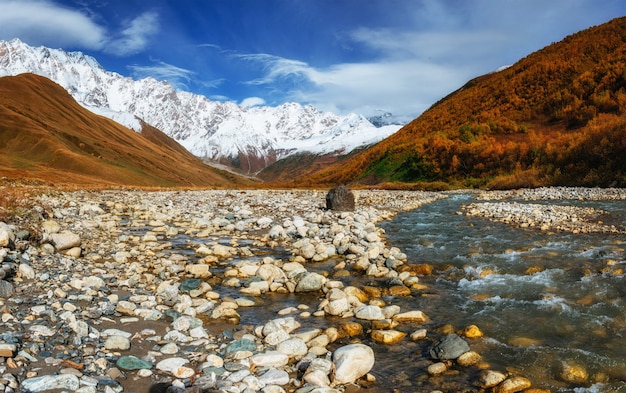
point(16, 204)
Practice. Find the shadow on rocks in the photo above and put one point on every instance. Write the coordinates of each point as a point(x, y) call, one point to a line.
point(168, 388)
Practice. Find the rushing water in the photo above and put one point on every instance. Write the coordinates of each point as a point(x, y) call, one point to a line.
point(541, 298)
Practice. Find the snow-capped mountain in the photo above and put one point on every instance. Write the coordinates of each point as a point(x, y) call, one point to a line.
point(219, 131)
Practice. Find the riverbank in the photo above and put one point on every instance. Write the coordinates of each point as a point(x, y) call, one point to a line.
point(123, 290)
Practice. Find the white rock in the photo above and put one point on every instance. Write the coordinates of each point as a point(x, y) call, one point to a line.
point(270, 359)
point(65, 240)
point(26, 271)
point(352, 362)
point(274, 377)
point(117, 343)
point(370, 313)
point(170, 364)
point(293, 347)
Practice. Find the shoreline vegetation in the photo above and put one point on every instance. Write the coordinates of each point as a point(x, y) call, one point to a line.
point(98, 289)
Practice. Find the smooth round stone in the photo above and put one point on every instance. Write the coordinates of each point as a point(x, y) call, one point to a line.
point(117, 343)
point(437, 368)
point(352, 362)
point(170, 364)
point(169, 349)
point(132, 363)
point(49, 382)
point(371, 313)
point(293, 347)
point(183, 372)
point(270, 359)
point(490, 378)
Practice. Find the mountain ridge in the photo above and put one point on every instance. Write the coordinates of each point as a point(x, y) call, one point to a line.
point(250, 138)
point(45, 134)
point(555, 117)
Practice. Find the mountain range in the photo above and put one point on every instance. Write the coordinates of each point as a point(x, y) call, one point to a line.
point(555, 117)
point(249, 138)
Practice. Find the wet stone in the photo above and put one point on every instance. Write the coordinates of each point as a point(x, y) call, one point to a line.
point(190, 285)
point(450, 347)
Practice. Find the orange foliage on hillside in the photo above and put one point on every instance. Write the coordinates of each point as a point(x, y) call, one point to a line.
point(556, 117)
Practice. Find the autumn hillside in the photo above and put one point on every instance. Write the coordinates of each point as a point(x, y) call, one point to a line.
point(47, 136)
point(556, 117)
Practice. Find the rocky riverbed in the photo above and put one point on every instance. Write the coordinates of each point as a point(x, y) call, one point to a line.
point(131, 291)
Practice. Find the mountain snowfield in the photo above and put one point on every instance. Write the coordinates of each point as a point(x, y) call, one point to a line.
point(217, 131)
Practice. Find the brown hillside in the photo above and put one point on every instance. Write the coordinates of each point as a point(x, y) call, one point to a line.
point(556, 117)
point(46, 135)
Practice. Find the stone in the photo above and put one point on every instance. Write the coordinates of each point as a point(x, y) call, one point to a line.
point(170, 364)
point(65, 240)
point(189, 285)
point(7, 350)
point(243, 344)
point(419, 334)
point(469, 358)
point(411, 316)
point(183, 372)
point(293, 347)
point(6, 235)
point(387, 336)
point(437, 368)
point(117, 343)
point(274, 376)
point(350, 329)
point(310, 282)
point(26, 271)
point(489, 378)
point(512, 385)
point(370, 313)
point(472, 331)
point(50, 226)
point(132, 363)
point(50, 382)
point(340, 198)
point(449, 348)
point(352, 362)
point(573, 373)
point(6, 289)
point(270, 359)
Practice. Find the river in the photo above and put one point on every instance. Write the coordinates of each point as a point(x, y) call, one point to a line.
point(542, 299)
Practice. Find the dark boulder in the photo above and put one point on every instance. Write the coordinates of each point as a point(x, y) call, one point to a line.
point(448, 348)
point(340, 198)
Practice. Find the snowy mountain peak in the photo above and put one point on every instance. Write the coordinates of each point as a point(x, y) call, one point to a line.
point(219, 131)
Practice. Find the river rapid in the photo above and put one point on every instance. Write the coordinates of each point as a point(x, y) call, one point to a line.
point(546, 301)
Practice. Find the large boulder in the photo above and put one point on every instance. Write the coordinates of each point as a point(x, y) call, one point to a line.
point(340, 198)
point(352, 362)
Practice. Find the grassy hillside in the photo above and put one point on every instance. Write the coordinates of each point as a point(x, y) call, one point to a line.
point(556, 117)
point(46, 135)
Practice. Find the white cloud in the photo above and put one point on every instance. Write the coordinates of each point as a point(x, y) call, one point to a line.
point(134, 38)
point(45, 23)
point(176, 76)
point(412, 65)
point(252, 101)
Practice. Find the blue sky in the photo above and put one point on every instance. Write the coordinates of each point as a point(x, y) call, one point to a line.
point(363, 56)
